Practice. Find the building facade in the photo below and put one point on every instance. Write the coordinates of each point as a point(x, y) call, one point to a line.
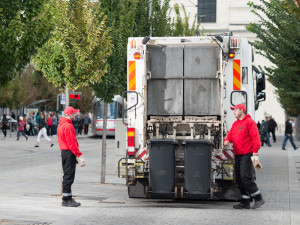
point(219, 16)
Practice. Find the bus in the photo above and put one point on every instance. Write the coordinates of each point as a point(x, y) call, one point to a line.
point(114, 111)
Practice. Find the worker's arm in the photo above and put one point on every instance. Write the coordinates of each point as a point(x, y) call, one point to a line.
point(72, 141)
point(254, 134)
point(228, 139)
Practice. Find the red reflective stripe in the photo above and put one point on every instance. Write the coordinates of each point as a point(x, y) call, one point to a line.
point(219, 157)
point(130, 153)
point(227, 155)
point(106, 129)
point(142, 154)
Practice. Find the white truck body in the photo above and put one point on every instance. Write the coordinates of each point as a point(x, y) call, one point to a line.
point(179, 93)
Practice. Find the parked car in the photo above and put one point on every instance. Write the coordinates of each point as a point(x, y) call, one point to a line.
point(14, 123)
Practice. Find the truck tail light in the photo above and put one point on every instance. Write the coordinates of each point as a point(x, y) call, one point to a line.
point(130, 141)
point(137, 55)
point(133, 44)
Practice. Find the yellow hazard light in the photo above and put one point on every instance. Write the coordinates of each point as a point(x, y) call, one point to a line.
point(130, 133)
point(137, 55)
point(231, 55)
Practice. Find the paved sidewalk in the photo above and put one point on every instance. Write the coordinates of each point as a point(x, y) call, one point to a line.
point(30, 187)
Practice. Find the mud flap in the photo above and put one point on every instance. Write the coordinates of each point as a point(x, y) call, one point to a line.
point(139, 190)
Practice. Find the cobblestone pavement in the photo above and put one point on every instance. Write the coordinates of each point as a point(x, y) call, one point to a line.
point(30, 187)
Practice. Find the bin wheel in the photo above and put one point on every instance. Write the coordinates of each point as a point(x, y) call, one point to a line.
point(181, 192)
point(147, 191)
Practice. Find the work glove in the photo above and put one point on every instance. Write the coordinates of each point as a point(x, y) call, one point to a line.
point(256, 163)
point(81, 161)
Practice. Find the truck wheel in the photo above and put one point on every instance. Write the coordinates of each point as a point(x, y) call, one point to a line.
point(139, 190)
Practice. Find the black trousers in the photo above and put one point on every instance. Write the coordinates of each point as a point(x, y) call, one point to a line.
point(273, 135)
point(69, 168)
point(4, 128)
point(244, 173)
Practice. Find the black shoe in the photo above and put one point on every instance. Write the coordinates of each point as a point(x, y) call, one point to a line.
point(295, 148)
point(70, 203)
point(283, 149)
point(258, 204)
point(52, 145)
point(244, 204)
point(26, 138)
point(269, 145)
point(258, 201)
point(36, 146)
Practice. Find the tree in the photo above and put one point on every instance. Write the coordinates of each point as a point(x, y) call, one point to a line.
point(27, 87)
point(121, 20)
point(76, 54)
point(181, 26)
point(278, 33)
point(87, 95)
point(24, 27)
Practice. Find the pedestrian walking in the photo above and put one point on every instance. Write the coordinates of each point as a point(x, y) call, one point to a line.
point(13, 115)
point(80, 124)
point(86, 123)
point(54, 124)
point(4, 124)
point(272, 126)
point(31, 124)
point(21, 128)
point(49, 125)
point(264, 131)
point(70, 153)
point(246, 143)
point(27, 126)
point(41, 127)
point(288, 134)
point(37, 118)
point(76, 123)
point(258, 125)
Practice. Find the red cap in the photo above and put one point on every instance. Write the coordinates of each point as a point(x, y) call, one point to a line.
point(239, 106)
point(70, 110)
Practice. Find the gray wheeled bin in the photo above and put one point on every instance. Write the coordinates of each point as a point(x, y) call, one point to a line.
point(197, 168)
point(162, 168)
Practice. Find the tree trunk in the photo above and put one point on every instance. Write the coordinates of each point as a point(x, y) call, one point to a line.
point(103, 158)
point(67, 96)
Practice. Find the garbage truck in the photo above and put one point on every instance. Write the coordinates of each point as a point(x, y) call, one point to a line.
point(179, 94)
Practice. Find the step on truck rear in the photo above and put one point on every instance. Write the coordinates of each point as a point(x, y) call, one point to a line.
point(179, 93)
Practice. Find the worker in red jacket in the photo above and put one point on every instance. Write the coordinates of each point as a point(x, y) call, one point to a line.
point(246, 142)
point(70, 153)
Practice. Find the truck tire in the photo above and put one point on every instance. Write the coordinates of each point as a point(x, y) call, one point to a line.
point(229, 191)
point(139, 190)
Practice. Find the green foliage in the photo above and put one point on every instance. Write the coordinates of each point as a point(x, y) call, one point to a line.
point(181, 26)
point(160, 20)
point(26, 88)
point(121, 20)
point(278, 33)
point(24, 27)
point(76, 54)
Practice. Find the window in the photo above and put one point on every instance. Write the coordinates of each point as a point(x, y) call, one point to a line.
point(207, 11)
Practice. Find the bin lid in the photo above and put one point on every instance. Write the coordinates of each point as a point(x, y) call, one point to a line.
point(197, 141)
point(163, 141)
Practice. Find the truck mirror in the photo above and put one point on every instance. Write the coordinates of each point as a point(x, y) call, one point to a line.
point(238, 97)
point(261, 96)
point(260, 80)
